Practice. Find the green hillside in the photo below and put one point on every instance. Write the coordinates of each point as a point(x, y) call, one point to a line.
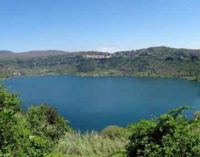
point(155, 61)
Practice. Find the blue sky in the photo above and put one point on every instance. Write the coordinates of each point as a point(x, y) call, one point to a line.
point(104, 25)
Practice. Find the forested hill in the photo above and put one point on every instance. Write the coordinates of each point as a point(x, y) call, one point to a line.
point(154, 61)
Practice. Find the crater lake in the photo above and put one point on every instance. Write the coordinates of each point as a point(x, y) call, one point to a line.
point(92, 103)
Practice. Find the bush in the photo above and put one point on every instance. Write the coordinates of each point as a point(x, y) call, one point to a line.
point(45, 121)
point(16, 137)
point(114, 131)
point(8, 100)
point(171, 134)
point(31, 135)
point(8, 108)
point(197, 115)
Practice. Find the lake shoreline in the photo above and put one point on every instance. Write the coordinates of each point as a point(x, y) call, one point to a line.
point(105, 75)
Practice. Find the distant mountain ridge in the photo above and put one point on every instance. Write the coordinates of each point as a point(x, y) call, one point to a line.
point(128, 52)
point(5, 52)
point(34, 53)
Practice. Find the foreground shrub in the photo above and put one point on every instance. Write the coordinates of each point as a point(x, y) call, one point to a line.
point(45, 121)
point(114, 131)
point(31, 135)
point(16, 137)
point(9, 104)
point(197, 115)
point(171, 134)
point(8, 100)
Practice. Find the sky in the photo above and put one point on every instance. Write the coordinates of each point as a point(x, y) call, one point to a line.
point(102, 25)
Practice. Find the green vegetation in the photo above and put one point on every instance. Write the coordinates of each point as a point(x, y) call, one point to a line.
point(169, 135)
point(45, 121)
point(88, 145)
point(40, 131)
point(114, 131)
point(27, 134)
point(154, 62)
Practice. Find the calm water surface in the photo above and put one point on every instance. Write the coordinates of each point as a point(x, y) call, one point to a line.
point(95, 102)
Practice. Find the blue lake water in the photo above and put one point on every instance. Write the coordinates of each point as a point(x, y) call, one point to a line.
point(96, 102)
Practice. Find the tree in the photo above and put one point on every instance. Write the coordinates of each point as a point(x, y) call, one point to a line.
point(18, 137)
point(86, 65)
point(45, 121)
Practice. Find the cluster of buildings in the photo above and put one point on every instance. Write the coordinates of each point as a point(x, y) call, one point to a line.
point(98, 56)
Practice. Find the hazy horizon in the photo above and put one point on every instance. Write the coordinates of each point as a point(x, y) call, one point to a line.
point(97, 50)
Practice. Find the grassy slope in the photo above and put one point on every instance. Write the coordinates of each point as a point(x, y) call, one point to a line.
point(90, 145)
